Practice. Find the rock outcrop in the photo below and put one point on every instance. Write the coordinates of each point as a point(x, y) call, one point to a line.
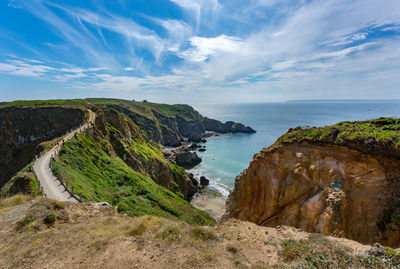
point(23, 129)
point(227, 127)
point(320, 187)
point(170, 130)
point(187, 159)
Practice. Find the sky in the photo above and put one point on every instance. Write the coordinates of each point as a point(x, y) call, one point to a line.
point(200, 51)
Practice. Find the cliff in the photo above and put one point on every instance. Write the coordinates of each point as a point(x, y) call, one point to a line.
point(341, 180)
point(23, 129)
point(170, 124)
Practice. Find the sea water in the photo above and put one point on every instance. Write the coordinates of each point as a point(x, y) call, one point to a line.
point(229, 154)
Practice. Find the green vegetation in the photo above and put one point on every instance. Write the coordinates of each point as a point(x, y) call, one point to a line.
point(57, 205)
point(43, 103)
point(319, 252)
point(361, 135)
point(50, 218)
point(25, 221)
point(89, 166)
point(32, 187)
point(146, 109)
point(141, 108)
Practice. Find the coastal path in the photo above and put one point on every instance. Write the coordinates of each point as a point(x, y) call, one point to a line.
point(51, 186)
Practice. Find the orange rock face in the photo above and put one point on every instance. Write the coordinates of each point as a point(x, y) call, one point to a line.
point(298, 185)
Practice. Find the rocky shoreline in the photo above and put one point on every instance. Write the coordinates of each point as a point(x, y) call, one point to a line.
point(205, 197)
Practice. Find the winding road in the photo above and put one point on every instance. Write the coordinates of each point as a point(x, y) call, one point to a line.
point(52, 187)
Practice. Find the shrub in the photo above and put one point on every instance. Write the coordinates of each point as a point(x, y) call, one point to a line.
point(57, 205)
point(25, 221)
point(50, 218)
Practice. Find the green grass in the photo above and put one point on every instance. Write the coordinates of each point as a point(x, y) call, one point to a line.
point(361, 135)
point(33, 187)
point(42, 103)
point(50, 218)
point(87, 164)
point(25, 221)
point(146, 109)
point(319, 252)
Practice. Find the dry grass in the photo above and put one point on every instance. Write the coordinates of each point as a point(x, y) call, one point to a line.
point(7, 204)
point(95, 238)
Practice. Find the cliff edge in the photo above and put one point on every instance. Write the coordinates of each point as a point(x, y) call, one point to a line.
point(341, 180)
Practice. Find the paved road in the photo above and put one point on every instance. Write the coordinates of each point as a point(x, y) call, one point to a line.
point(52, 188)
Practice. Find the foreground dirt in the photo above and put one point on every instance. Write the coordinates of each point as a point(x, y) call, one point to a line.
point(95, 236)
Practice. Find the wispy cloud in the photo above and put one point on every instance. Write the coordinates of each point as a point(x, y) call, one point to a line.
point(279, 48)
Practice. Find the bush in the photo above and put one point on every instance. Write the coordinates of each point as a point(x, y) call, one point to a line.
point(50, 218)
point(57, 205)
point(202, 234)
point(25, 221)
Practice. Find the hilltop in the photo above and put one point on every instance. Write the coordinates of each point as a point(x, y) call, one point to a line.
point(42, 233)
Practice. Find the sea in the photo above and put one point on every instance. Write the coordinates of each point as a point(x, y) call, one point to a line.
point(229, 154)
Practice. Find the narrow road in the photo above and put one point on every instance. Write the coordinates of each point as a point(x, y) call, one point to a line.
point(52, 187)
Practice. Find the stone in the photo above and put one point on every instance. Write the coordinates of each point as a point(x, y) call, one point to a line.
point(187, 159)
point(204, 181)
point(377, 250)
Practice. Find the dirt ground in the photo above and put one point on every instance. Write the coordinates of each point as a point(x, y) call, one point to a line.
point(95, 236)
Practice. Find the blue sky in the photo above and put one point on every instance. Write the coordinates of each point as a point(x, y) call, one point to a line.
point(200, 51)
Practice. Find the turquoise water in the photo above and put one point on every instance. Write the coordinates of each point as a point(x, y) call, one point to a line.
point(228, 155)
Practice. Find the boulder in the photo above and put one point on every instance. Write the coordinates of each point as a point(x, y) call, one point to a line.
point(187, 159)
point(377, 250)
point(204, 181)
point(193, 180)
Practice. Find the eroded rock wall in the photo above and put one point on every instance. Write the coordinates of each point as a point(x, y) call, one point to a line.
point(292, 185)
point(23, 129)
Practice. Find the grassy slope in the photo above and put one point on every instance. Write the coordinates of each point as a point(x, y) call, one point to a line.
point(79, 103)
point(383, 131)
point(145, 109)
point(33, 187)
point(87, 164)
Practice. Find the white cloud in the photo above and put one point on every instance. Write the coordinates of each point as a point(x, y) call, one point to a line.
point(202, 48)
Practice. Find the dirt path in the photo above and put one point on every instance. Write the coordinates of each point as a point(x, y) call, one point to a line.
point(52, 187)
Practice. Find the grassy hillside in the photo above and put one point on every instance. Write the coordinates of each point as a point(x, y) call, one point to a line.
point(146, 108)
point(379, 136)
point(89, 166)
point(46, 103)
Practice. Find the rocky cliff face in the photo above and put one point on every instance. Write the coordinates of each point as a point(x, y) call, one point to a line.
point(324, 188)
point(23, 129)
point(170, 130)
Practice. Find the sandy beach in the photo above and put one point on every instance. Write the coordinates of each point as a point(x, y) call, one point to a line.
point(215, 206)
